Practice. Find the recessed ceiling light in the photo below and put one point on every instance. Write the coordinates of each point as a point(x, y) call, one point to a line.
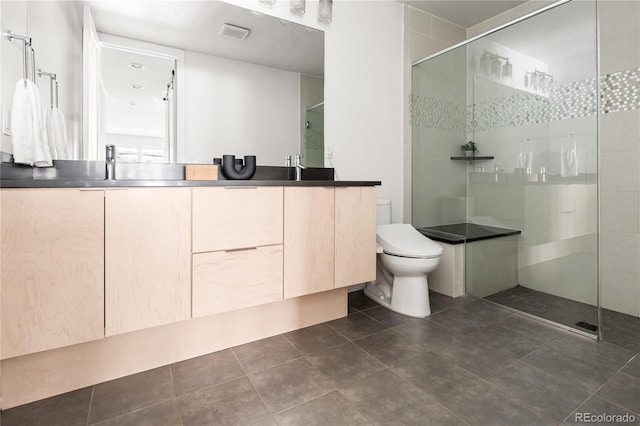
point(136, 65)
point(136, 86)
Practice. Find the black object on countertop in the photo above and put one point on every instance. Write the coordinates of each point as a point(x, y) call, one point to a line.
point(234, 169)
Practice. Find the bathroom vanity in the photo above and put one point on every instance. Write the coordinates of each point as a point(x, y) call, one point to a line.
point(105, 279)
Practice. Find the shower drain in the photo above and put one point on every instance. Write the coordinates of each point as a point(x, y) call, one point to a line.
point(587, 326)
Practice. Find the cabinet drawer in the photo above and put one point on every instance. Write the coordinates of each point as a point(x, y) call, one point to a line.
point(239, 217)
point(229, 280)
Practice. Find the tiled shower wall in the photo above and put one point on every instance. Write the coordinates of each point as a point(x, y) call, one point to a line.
point(425, 34)
point(620, 157)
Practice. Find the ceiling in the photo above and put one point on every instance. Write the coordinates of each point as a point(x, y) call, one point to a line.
point(465, 13)
point(194, 26)
point(118, 76)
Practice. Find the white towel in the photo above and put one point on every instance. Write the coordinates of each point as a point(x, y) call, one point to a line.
point(29, 137)
point(569, 157)
point(57, 134)
point(525, 157)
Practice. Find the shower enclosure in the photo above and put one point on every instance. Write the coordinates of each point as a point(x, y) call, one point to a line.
point(527, 96)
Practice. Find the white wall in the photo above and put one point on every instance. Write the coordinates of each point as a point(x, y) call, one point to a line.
point(363, 95)
point(240, 109)
point(56, 30)
point(363, 88)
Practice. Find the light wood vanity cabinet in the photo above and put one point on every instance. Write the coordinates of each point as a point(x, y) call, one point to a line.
point(77, 264)
point(147, 258)
point(52, 268)
point(235, 279)
point(308, 240)
point(237, 248)
point(329, 238)
point(355, 222)
point(236, 217)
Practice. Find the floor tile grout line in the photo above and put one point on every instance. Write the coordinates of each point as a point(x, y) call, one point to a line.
point(455, 415)
point(629, 362)
point(537, 389)
point(535, 367)
point(300, 355)
point(93, 389)
point(600, 397)
point(617, 404)
point(302, 403)
point(369, 419)
point(361, 312)
point(290, 342)
point(137, 410)
point(173, 380)
point(597, 362)
point(248, 376)
point(606, 382)
point(402, 379)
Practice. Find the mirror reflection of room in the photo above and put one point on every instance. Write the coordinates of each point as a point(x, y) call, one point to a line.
point(137, 104)
point(231, 92)
point(243, 84)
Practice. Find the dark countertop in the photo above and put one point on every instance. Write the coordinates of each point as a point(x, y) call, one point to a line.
point(90, 174)
point(95, 183)
point(458, 233)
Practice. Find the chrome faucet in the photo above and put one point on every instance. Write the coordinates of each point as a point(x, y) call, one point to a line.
point(298, 166)
point(110, 161)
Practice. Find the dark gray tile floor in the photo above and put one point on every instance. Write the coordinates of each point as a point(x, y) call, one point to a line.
point(470, 363)
point(617, 328)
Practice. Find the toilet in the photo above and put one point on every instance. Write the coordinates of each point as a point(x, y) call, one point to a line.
point(405, 258)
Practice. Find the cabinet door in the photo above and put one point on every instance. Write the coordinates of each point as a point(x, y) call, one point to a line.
point(308, 240)
point(52, 269)
point(229, 280)
point(147, 257)
point(355, 235)
point(236, 217)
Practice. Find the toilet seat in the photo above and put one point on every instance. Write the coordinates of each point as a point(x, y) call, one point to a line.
point(401, 239)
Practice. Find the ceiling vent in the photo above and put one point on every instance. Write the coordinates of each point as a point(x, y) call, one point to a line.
point(229, 30)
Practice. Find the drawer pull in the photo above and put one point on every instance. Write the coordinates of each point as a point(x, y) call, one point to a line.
point(241, 249)
point(240, 187)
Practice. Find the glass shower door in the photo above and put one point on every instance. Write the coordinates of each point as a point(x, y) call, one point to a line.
point(533, 106)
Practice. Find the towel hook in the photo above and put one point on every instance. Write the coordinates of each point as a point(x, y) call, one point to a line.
point(52, 81)
point(26, 41)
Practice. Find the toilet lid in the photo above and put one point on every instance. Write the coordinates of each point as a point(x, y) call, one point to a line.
point(402, 239)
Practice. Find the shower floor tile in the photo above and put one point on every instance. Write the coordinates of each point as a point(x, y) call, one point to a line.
point(617, 328)
point(553, 308)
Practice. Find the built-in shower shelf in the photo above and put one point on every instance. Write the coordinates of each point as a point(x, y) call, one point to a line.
point(478, 158)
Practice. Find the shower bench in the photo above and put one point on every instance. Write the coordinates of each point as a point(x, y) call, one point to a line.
point(477, 259)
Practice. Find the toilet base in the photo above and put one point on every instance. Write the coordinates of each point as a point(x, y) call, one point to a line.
point(407, 295)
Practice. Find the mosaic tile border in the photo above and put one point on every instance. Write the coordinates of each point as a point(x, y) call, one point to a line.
point(619, 91)
point(437, 113)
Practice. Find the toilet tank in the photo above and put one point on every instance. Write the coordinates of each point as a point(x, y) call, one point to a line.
point(383, 212)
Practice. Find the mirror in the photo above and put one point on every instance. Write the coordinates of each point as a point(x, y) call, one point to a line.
point(190, 81)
